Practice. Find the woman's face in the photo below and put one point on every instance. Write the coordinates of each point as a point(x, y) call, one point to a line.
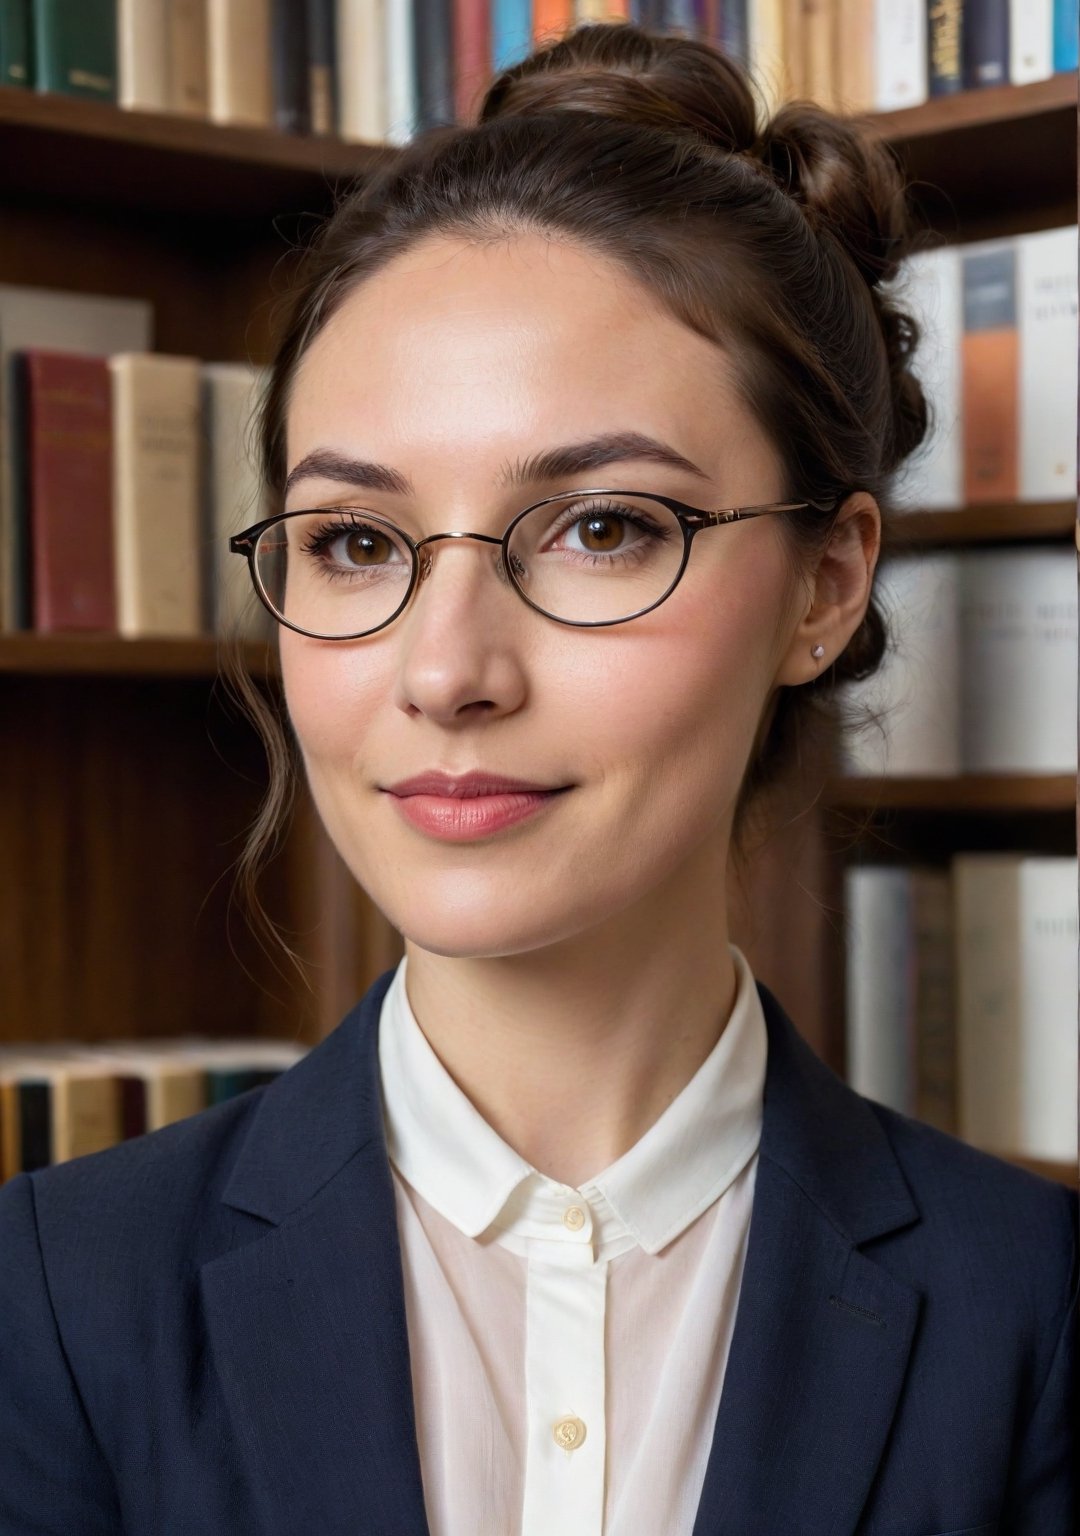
point(450, 366)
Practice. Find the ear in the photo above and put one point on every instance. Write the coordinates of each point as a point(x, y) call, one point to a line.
point(838, 593)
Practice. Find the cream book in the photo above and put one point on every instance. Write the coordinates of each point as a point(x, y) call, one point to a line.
point(189, 82)
point(1046, 284)
point(142, 48)
point(238, 49)
point(853, 64)
point(1016, 919)
point(930, 287)
point(156, 493)
point(232, 498)
point(766, 52)
point(878, 980)
point(900, 54)
point(361, 47)
point(83, 1103)
point(1018, 640)
point(174, 1088)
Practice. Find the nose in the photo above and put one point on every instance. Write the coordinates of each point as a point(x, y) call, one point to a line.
point(426, 560)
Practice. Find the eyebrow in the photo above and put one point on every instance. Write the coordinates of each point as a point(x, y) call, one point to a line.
point(552, 464)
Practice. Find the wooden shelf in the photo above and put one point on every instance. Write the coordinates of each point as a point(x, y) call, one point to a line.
point(976, 525)
point(115, 656)
point(991, 162)
point(1064, 1173)
point(977, 793)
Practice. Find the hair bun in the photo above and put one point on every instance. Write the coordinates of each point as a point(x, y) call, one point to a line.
point(620, 71)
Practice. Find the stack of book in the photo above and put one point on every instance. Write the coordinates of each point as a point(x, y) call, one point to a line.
point(122, 473)
point(380, 70)
point(980, 675)
point(961, 997)
point(64, 1099)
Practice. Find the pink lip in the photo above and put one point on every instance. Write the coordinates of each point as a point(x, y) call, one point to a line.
point(465, 809)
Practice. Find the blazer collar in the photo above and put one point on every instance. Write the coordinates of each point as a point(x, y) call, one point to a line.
point(308, 1331)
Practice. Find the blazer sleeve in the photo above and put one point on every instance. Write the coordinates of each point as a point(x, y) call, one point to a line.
point(54, 1479)
point(1042, 1490)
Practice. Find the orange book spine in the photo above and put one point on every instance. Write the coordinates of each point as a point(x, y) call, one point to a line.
point(551, 18)
point(990, 372)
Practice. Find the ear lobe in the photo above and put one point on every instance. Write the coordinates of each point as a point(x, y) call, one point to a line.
point(842, 586)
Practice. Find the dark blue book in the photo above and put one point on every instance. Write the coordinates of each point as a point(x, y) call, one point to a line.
point(433, 60)
point(322, 66)
point(289, 66)
point(945, 47)
point(986, 43)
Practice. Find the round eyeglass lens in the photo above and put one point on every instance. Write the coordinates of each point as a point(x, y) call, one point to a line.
point(335, 572)
point(596, 559)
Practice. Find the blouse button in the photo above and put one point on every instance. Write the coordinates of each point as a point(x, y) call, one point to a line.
point(574, 1218)
point(569, 1433)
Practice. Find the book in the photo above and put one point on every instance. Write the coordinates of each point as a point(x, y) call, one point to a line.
point(472, 47)
point(238, 48)
point(929, 285)
point(16, 44)
point(156, 493)
point(142, 37)
point(853, 65)
point(291, 83)
point(432, 62)
point(1016, 925)
point(232, 498)
point(75, 48)
point(945, 47)
point(1031, 41)
point(1065, 35)
point(511, 32)
point(65, 412)
point(1049, 344)
point(189, 77)
point(361, 47)
point(990, 372)
point(402, 99)
point(986, 44)
point(96, 325)
point(322, 65)
point(900, 54)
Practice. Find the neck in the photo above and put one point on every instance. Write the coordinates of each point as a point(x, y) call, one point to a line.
point(572, 1051)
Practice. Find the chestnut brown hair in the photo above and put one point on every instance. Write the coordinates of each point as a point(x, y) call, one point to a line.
point(776, 238)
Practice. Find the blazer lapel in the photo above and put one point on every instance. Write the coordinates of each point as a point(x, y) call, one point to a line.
point(307, 1321)
point(822, 1333)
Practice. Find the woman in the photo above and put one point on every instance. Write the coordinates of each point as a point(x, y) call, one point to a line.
point(483, 1261)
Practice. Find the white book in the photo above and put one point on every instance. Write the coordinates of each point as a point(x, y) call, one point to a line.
point(916, 689)
point(930, 287)
point(155, 405)
point(879, 976)
point(1017, 1003)
point(765, 51)
point(901, 68)
point(1046, 282)
point(93, 324)
point(1031, 40)
point(401, 98)
point(233, 497)
point(238, 55)
point(1018, 627)
point(361, 49)
point(142, 55)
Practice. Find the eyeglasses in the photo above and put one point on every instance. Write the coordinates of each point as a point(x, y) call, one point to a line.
point(586, 558)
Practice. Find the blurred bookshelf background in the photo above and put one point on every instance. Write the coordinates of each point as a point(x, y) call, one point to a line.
point(159, 160)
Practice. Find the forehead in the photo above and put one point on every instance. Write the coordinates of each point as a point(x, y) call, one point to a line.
point(456, 339)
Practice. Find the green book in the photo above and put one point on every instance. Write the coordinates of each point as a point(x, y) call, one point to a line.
point(75, 47)
point(16, 37)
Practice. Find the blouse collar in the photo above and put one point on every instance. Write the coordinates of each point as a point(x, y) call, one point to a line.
point(445, 1149)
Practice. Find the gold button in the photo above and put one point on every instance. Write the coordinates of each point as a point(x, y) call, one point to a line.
point(574, 1218)
point(569, 1433)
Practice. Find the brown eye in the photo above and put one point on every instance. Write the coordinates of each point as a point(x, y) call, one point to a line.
point(365, 546)
point(601, 534)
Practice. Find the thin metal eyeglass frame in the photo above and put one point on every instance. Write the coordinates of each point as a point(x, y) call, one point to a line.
point(691, 520)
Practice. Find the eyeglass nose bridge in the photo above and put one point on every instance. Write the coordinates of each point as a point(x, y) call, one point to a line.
point(433, 538)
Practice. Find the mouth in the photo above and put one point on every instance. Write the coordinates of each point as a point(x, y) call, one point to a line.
point(470, 808)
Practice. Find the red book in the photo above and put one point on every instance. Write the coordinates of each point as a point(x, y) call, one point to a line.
point(67, 421)
point(472, 56)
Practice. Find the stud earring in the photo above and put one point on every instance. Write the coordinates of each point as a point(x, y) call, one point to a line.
point(818, 652)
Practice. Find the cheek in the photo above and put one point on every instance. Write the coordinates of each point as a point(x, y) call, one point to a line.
point(332, 702)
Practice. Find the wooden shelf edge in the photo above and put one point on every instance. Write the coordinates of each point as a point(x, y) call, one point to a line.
point(1004, 792)
point(1062, 1173)
point(1011, 520)
point(967, 110)
point(118, 656)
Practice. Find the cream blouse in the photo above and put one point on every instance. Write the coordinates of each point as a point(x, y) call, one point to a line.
point(568, 1345)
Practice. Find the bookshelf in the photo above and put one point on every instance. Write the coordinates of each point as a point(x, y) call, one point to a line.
point(106, 739)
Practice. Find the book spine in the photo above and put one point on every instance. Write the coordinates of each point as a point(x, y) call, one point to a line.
point(793, 34)
point(433, 62)
point(142, 59)
point(1065, 35)
point(735, 30)
point(16, 43)
point(989, 1054)
point(1048, 991)
point(853, 62)
point(900, 54)
point(935, 998)
point(472, 56)
point(986, 44)
point(945, 47)
point(1049, 345)
point(511, 32)
point(768, 58)
point(879, 971)
point(322, 66)
point(189, 80)
point(550, 18)
point(238, 44)
point(819, 22)
point(679, 15)
point(933, 477)
point(403, 106)
point(1031, 41)
point(991, 377)
point(361, 84)
point(289, 67)
point(75, 47)
point(68, 417)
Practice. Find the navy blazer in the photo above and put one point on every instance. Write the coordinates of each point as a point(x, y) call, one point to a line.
point(203, 1330)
